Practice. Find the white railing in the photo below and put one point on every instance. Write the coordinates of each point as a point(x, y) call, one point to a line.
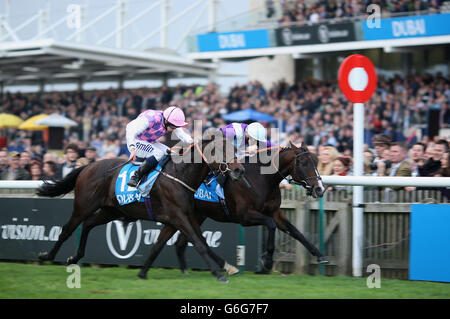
point(20, 184)
point(387, 181)
point(328, 180)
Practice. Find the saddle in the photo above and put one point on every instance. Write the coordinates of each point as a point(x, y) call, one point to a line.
point(126, 194)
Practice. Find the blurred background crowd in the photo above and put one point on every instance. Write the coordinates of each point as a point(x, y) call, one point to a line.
point(311, 111)
point(301, 12)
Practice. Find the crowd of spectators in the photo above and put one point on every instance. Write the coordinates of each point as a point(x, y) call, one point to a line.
point(389, 158)
point(310, 111)
point(303, 12)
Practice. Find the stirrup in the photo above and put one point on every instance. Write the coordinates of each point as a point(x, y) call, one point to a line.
point(134, 181)
point(145, 168)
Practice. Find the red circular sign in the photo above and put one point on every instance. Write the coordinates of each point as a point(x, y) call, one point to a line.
point(357, 78)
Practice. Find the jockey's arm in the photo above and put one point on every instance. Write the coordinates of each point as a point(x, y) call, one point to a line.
point(183, 136)
point(134, 128)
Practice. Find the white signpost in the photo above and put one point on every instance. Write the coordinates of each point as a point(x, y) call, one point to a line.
point(358, 81)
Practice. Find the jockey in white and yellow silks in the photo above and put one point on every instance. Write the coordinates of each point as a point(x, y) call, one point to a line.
point(143, 132)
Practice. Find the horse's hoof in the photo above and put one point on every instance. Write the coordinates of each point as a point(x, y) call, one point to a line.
point(232, 271)
point(322, 260)
point(70, 261)
point(184, 272)
point(265, 270)
point(43, 256)
point(142, 275)
point(223, 279)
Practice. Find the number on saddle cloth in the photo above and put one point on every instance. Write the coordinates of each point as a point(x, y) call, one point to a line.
point(126, 194)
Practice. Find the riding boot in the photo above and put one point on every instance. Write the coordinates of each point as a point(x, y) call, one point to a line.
point(146, 167)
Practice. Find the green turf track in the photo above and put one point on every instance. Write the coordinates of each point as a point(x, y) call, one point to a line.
point(18, 280)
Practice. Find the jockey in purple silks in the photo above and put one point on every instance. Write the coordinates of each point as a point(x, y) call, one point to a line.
point(142, 133)
point(256, 135)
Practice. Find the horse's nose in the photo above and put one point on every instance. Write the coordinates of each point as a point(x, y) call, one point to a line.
point(318, 191)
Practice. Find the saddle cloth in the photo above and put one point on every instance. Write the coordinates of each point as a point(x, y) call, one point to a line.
point(211, 191)
point(126, 194)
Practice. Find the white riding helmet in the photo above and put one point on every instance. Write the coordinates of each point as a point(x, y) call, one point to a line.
point(257, 131)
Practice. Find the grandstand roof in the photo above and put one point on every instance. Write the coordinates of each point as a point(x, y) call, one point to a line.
point(50, 61)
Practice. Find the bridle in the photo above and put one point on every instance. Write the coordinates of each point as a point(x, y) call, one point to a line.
point(222, 169)
point(305, 181)
point(223, 166)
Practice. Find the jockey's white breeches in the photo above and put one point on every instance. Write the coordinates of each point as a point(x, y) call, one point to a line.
point(145, 150)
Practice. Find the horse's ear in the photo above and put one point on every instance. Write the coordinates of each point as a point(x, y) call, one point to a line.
point(304, 146)
point(292, 145)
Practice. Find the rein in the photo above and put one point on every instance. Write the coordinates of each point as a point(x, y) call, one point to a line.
point(221, 169)
point(118, 166)
point(176, 180)
point(273, 164)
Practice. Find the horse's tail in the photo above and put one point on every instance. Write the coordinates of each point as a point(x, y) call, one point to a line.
point(55, 188)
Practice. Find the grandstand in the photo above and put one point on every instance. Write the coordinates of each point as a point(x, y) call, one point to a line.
point(292, 65)
point(301, 43)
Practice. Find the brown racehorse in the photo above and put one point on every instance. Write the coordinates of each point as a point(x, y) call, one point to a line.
point(259, 205)
point(95, 202)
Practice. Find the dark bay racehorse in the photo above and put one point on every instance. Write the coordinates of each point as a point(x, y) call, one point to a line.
point(95, 202)
point(259, 205)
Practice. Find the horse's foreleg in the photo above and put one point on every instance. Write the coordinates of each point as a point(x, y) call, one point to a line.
point(270, 247)
point(104, 216)
point(67, 230)
point(165, 234)
point(284, 225)
point(180, 248)
point(193, 234)
point(181, 244)
point(260, 219)
point(230, 269)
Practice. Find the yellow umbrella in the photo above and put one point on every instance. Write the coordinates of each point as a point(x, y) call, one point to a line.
point(30, 124)
point(9, 120)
